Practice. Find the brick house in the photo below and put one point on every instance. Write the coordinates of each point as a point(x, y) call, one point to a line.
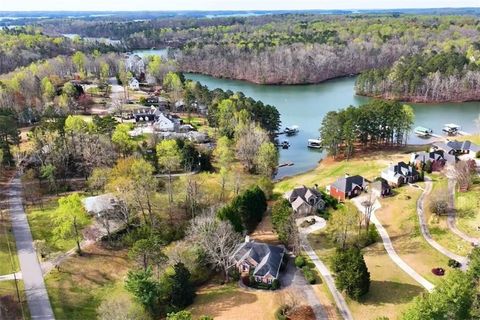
point(347, 187)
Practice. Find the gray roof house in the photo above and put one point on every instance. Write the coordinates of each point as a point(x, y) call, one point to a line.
point(457, 147)
point(380, 187)
point(400, 173)
point(305, 201)
point(347, 187)
point(261, 260)
point(438, 158)
point(100, 205)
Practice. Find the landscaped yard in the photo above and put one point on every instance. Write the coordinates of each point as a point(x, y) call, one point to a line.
point(40, 220)
point(391, 289)
point(329, 170)
point(468, 210)
point(229, 302)
point(438, 225)
point(82, 282)
point(399, 217)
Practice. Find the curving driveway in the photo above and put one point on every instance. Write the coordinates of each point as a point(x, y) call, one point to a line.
point(387, 244)
point(326, 275)
point(452, 216)
point(424, 228)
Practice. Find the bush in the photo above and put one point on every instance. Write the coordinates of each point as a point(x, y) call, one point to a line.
point(309, 275)
point(300, 261)
point(439, 206)
point(280, 313)
point(452, 263)
point(275, 285)
point(478, 155)
point(330, 202)
point(234, 274)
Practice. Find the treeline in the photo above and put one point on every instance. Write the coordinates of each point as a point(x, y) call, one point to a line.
point(312, 49)
point(376, 123)
point(449, 75)
point(29, 91)
point(21, 46)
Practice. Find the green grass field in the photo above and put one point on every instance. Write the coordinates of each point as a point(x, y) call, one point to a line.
point(8, 251)
point(468, 210)
point(9, 299)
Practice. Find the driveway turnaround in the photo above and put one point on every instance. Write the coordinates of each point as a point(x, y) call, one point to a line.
point(37, 297)
point(426, 233)
point(387, 244)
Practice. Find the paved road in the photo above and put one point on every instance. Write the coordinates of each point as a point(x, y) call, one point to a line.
point(424, 227)
point(327, 276)
point(36, 293)
point(387, 244)
point(452, 216)
point(292, 278)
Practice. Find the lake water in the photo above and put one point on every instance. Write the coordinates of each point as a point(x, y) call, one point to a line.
point(305, 106)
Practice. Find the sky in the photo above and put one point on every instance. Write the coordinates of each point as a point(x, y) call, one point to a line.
point(207, 5)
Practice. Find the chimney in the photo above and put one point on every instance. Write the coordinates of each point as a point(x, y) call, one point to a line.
point(316, 186)
point(347, 175)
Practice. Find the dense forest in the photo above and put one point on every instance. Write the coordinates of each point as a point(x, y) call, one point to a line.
point(427, 77)
point(378, 123)
point(21, 46)
point(289, 48)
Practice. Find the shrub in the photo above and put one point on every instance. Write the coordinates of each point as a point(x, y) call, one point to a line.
point(439, 206)
point(478, 155)
point(280, 313)
point(299, 261)
point(275, 284)
point(234, 274)
point(309, 275)
point(452, 263)
point(351, 272)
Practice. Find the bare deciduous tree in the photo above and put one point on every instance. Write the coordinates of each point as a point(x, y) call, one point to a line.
point(462, 174)
point(216, 238)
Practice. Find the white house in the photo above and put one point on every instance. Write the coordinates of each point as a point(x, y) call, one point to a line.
point(134, 84)
point(164, 124)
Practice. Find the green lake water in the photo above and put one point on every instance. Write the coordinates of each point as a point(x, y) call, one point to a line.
point(305, 106)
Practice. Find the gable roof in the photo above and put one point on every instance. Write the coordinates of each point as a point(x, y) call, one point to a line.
point(347, 184)
point(403, 169)
point(99, 204)
point(268, 257)
point(300, 195)
point(380, 184)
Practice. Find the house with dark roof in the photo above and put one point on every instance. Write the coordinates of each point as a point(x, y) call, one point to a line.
point(438, 159)
point(380, 188)
point(455, 147)
point(347, 187)
point(305, 201)
point(260, 260)
point(400, 173)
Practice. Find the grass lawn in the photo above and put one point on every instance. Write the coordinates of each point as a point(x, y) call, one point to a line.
point(438, 225)
point(9, 300)
point(329, 170)
point(391, 289)
point(399, 217)
point(84, 281)
point(229, 302)
point(8, 250)
point(468, 210)
point(475, 138)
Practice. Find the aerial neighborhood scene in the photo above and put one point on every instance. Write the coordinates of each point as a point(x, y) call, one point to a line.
point(240, 160)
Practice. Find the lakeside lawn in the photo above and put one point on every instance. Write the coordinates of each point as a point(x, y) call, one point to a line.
point(329, 170)
point(399, 217)
point(83, 282)
point(467, 205)
point(438, 225)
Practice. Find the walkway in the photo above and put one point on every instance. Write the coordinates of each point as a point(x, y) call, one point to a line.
point(35, 290)
point(327, 277)
point(11, 276)
point(387, 244)
point(452, 216)
point(424, 227)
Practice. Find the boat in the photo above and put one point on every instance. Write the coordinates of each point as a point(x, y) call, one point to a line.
point(290, 131)
point(423, 132)
point(314, 143)
point(285, 164)
point(285, 144)
point(451, 129)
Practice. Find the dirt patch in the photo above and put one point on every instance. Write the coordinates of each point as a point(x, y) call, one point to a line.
point(264, 231)
point(302, 313)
